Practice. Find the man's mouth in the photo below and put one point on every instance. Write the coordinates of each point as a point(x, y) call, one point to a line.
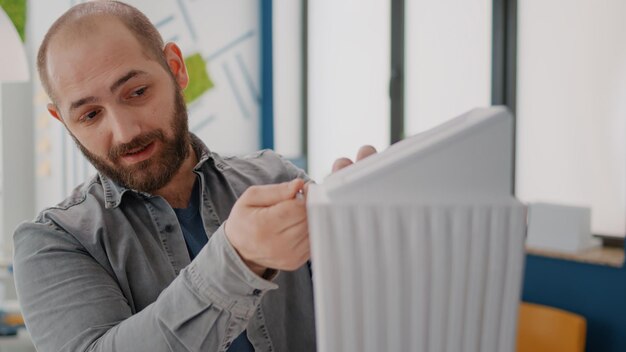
point(137, 150)
point(139, 154)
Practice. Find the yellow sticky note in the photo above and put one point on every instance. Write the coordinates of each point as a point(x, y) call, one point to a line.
point(43, 145)
point(43, 120)
point(44, 169)
point(40, 98)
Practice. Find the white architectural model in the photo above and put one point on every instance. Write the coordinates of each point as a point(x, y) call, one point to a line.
point(421, 247)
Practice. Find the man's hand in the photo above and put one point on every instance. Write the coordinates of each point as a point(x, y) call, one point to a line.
point(268, 227)
point(363, 153)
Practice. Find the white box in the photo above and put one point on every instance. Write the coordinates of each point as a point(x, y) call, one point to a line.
point(559, 227)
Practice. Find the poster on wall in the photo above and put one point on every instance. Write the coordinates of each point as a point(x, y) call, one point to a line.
point(220, 41)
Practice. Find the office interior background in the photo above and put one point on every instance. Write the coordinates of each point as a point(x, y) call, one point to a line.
point(315, 80)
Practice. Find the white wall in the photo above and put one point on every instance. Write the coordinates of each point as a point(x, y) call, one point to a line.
point(349, 45)
point(17, 198)
point(287, 76)
point(448, 60)
point(572, 107)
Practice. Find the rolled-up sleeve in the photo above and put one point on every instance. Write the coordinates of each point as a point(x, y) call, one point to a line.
point(72, 303)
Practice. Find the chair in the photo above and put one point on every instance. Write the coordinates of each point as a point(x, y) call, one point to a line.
point(546, 329)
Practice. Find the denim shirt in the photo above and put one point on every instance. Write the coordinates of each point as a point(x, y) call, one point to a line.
point(108, 270)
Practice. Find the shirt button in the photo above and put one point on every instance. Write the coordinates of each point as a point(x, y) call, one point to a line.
point(256, 292)
point(169, 228)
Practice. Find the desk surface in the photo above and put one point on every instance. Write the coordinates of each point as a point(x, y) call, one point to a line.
point(609, 256)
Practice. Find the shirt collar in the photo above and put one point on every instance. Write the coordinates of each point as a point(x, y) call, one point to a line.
point(114, 192)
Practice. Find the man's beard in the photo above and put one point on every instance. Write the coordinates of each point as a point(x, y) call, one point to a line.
point(154, 173)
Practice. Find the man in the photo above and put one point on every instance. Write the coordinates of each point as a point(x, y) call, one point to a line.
point(170, 247)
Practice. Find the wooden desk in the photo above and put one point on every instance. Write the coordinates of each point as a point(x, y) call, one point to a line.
point(609, 256)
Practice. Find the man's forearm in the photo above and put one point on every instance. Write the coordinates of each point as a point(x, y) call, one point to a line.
point(71, 304)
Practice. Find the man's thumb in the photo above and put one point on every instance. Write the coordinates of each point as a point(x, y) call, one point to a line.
point(268, 195)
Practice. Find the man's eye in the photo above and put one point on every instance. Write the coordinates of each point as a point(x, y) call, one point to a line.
point(139, 92)
point(90, 115)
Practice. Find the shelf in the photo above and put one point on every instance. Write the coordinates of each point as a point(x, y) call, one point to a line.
point(603, 255)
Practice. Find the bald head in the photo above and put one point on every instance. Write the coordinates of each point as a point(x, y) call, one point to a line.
point(82, 20)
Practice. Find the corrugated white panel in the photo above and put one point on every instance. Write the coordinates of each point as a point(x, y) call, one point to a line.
point(417, 277)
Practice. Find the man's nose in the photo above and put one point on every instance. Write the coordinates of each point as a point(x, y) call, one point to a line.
point(124, 126)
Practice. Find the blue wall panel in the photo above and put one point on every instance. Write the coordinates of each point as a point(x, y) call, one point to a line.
point(267, 83)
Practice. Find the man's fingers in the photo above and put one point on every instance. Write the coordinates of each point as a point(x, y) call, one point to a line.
point(365, 151)
point(267, 195)
point(341, 163)
point(287, 213)
point(299, 254)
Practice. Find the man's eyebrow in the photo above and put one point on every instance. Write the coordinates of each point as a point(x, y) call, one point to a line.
point(125, 78)
point(83, 101)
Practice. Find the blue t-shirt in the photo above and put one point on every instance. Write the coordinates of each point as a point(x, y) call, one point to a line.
point(190, 222)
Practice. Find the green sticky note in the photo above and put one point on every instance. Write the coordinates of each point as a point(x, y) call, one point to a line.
point(199, 80)
point(16, 10)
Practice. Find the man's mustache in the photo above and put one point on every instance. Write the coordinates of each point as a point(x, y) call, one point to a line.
point(137, 143)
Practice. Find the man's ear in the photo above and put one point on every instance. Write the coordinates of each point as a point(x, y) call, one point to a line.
point(54, 111)
point(176, 63)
